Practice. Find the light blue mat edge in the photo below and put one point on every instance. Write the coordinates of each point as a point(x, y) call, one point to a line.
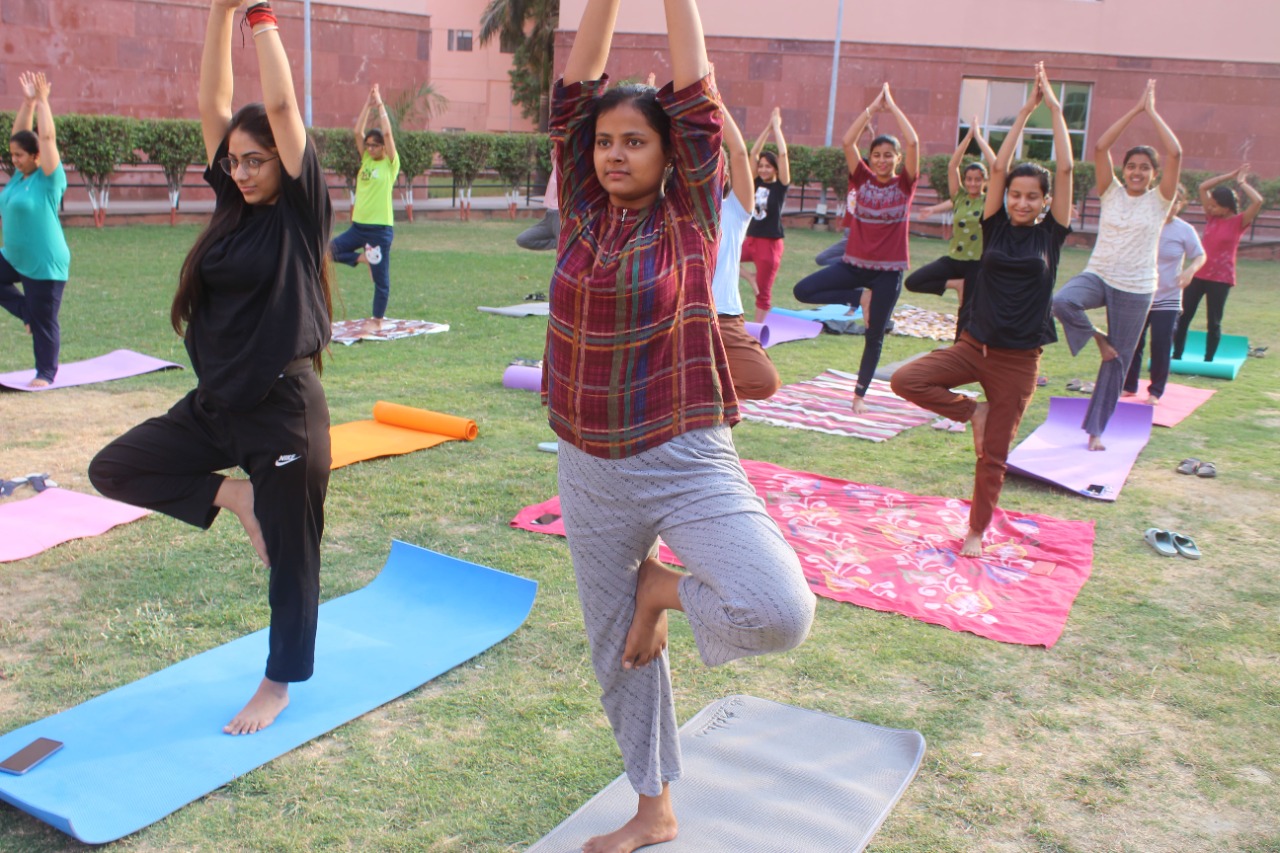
point(120, 771)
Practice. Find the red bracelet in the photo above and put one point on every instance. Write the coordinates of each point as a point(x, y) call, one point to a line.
point(260, 14)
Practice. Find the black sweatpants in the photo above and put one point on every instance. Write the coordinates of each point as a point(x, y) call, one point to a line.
point(842, 284)
point(37, 306)
point(168, 464)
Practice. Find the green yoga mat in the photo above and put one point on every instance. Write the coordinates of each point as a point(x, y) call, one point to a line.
point(1227, 361)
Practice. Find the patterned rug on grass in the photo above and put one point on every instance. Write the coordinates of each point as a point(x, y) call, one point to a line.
point(889, 550)
point(347, 332)
point(916, 322)
point(822, 404)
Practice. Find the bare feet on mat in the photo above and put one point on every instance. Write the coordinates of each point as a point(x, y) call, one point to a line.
point(1105, 347)
point(647, 637)
point(271, 698)
point(1095, 442)
point(38, 383)
point(979, 421)
point(237, 496)
point(373, 325)
point(860, 405)
point(1128, 393)
point(1153, 400)
point(654, 823)
point(972, 546)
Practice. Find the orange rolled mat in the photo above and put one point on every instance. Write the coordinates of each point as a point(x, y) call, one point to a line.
point(396, 429)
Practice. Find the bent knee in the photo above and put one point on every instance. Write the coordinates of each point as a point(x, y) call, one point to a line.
point(760, 389)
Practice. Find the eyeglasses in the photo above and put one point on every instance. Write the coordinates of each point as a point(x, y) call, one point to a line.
point(231, 165)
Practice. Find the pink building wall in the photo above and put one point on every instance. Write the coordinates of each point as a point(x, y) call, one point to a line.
point(475, 82)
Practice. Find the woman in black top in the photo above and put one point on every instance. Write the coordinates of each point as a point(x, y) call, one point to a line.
point(253, 304)
point(763, 246)
point(1009, 316)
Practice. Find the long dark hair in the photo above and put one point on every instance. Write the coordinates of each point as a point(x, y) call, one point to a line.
point(251, 119)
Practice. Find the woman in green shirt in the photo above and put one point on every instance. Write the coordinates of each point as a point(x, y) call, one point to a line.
point(34, 253)
point(368, 240)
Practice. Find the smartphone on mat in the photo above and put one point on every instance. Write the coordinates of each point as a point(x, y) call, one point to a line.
point(30, 755)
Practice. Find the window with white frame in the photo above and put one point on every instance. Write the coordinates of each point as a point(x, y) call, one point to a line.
point(460, 40)
point(996, 104)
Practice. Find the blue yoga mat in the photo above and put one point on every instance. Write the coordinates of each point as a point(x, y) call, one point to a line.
point(145, 750)
point(1227, 361)
point(825, 312)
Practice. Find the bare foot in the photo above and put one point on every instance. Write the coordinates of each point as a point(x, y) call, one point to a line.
point(979, 421)
point(972, 546)
point(1153, 400)
point(38, 383)
point(237, 496)
point(267, 702)
point(1095, 442)
point(26, 327)
point(1128, 393)
point(654, 823)
point(647, 636)
point(860, 405)
point(372, 325)
point(1105, 347)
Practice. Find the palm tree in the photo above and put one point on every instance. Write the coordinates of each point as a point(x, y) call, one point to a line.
point(529, 26)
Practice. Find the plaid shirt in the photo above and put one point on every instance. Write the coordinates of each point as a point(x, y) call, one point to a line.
point(634, 356)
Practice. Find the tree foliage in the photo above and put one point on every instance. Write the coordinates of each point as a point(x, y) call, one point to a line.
point(6, 162)
point(415, 106)
point(336, 148)
point(417, 150)
point(173, 145)
point(530, 27)
point(512, 157)
point(465, 154)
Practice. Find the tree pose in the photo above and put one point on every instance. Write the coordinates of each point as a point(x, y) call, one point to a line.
point(763, 247)
point(1008, 320)
point(638, 390)
point(254, 308)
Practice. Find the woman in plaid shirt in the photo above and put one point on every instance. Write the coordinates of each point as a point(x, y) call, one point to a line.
point(638, 390)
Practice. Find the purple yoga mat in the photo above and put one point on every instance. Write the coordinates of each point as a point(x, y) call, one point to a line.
point(119, 364)
point(522, 378)
point(760, 332)
point(1057, 452)
point(783, 328)
point(54, 516)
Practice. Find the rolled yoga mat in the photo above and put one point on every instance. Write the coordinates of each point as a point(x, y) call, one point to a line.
point(768, 778)
point(784, 328)
point(29, 526)
point(1227, 361)
point(395, 430)
point(522, 377)
point(526, 309)
point(117, 364)
point(148, 748)
point(1058, 453)
point(759, 331)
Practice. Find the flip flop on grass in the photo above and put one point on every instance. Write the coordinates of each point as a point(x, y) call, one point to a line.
point(1184, 545)
point(1161, 541)
point(1207, 470)
point(1188, 466)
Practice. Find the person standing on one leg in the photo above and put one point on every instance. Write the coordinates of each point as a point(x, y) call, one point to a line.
point(638, 390)
point(254, 307)
point(368, 240)
point(754, 376)
point(1224, 225)
point(877, 253)
point(1009, 318)
point(34, 252)
point(1178, 241)
point(764, 244)
point(1121, 273)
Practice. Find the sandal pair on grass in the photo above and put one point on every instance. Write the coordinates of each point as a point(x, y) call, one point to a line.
point(1084, 386)
point(1206, 470)
point(1169, 544)
point(39, 482)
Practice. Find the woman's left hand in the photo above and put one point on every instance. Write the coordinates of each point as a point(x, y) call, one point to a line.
point(42, 87)
point(27, 81)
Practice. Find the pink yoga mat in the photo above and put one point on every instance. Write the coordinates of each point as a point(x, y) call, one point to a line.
point(897, 552)
point(522, 378)
point(1178, 402)
point(783, 328)
point(119, 364)
point(31, 525)
point(1058, 453)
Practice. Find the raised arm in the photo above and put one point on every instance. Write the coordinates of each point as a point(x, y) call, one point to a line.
point(591, 44)
point(50, 159)
point(784, 162)
point(758, 146)
point(1000, 165)
point(214, 98)
point(851, 136)
point(1172, 171)
point(1064, 177)
point(953, 165)
point(1102, 150)
point(277, 93)
point(22, 119)
point(1250, 213)
point(362, 122)
point(686, 43)
point(741, 173)
point(910, 139)
point(384, 123)
point(1205, 186)
point(987, 153)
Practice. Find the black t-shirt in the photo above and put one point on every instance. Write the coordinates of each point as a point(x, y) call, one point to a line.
point(766, 218)
point(1010, 300)
point(263, 305)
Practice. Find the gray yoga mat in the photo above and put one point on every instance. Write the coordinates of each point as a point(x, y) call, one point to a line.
point(761, 776)
point(525, 309)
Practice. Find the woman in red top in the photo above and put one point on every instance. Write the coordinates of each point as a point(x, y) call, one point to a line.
point(876, 255)
point(1223, 227)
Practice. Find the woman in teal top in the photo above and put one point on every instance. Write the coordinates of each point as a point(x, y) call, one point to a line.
point(34, 252)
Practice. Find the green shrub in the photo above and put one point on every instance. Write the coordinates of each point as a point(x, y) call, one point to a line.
point(173, 145)
point(465, 155)
point(96, 146)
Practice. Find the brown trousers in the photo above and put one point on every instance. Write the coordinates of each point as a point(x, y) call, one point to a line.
point(1008, 379)
point(754, 376)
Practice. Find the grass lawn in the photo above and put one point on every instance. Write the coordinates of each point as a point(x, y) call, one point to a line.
point(1153, 725)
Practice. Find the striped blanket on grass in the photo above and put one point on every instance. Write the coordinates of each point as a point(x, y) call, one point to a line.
point(823, 404)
